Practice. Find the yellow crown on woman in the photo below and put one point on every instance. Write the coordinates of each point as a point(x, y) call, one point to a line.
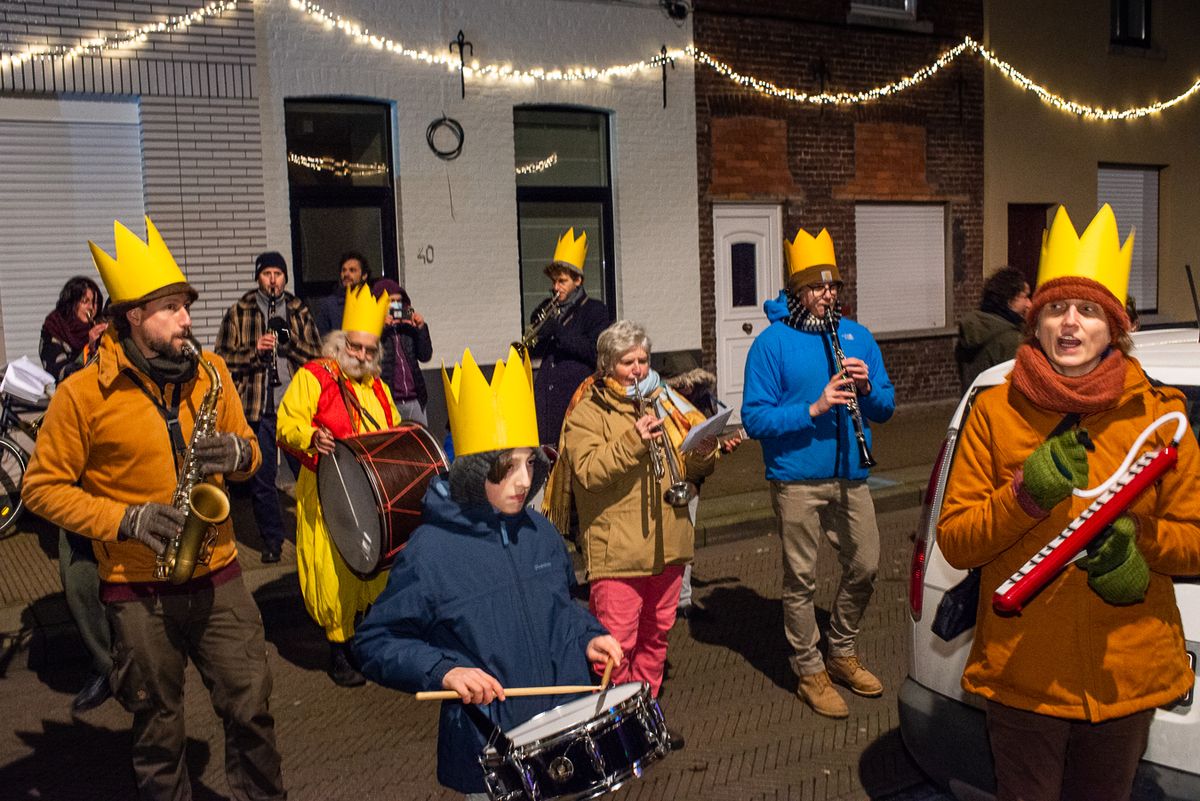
point(140, 266)
point(571, 251)
point(491, 417)
point(364, 312)
point(1098, 254)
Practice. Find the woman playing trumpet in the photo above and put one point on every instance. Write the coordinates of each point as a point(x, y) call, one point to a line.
point(635, 542)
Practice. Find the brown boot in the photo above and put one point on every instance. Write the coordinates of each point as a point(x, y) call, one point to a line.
point(849, 672)
point(816, 691)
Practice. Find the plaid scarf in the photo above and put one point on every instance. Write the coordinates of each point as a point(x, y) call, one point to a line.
point(800, 318)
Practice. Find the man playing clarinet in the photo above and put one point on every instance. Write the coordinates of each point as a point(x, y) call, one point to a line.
point(813, 380)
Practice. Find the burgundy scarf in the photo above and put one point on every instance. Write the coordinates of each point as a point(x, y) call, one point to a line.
point(69, 329)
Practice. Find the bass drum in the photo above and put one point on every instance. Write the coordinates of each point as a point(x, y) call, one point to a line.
point(371, 490)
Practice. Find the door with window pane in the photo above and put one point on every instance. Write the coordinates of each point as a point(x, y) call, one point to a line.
point(749, 271)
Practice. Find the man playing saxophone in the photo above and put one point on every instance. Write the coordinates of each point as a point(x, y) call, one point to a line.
point(808, 397)
point(116, 444)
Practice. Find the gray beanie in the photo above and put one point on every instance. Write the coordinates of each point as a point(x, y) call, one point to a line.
point(469, 473)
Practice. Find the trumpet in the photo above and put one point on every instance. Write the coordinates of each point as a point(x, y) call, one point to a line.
point(529, 339)
point(662, 457)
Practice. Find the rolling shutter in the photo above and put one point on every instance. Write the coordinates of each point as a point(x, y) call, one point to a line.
point(901, 266)
point(1133, 194)
point(70, 168)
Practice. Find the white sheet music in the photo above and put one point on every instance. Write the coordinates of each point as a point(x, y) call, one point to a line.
point(701, 431)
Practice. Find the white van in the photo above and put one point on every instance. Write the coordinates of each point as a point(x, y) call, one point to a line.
point(943, 726)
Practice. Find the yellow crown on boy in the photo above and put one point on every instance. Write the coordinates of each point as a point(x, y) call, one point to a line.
point(1098, 254)
point(139, 267)
point(364, 312)
point(806, 250)
point(570, 250)
point(491, 417)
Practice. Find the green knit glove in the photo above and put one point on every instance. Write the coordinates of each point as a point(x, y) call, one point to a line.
point(1115, 567)
point(1057, 466)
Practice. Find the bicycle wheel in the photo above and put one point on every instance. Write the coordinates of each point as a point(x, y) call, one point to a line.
point(12, 473)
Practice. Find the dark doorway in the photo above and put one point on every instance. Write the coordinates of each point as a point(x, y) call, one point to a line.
point(1026, 222)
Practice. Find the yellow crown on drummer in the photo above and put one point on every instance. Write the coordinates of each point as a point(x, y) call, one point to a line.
point(570, 250)
point(364, 312)
point(1098, 254)
point(139, 267)
point(491, 417)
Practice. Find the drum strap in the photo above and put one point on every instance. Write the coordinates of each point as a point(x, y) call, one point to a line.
point(490, 731)
point(353, 405)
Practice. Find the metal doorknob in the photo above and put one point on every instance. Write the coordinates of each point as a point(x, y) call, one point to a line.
point(747, 328)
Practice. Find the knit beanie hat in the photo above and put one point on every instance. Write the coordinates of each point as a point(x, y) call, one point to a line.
point(272, 258)
point(1084, 289)
point(391, 288)
point(469, 473)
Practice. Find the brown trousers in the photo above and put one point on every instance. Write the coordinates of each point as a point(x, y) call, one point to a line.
point(1040, 758)
point(221, 630)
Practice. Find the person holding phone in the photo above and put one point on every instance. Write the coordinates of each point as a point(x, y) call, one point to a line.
point(405, 344)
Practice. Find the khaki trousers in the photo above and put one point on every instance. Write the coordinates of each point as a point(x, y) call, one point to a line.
point(843, 513)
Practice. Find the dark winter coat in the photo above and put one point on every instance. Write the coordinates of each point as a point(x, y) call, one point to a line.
point(984, 339)
point(476, 589)
point(417, 347)
point(567, 348)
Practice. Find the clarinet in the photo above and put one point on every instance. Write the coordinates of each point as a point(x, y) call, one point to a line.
point(273, 379)
point(865, 459)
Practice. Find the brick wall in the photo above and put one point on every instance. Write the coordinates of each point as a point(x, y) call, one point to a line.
point(926, 143)
point(202, 157)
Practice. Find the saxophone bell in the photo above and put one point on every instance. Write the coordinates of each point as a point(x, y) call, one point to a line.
point(662, 455)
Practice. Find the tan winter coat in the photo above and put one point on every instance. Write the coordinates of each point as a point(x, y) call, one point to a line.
point(1069, 654)
point(104, 447)
point(628, 529)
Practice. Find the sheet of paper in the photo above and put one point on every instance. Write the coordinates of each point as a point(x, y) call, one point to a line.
point(26, 380)
point(709, 428)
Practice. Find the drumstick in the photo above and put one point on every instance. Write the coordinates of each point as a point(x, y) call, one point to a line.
point(608, 667)
point(513, 692)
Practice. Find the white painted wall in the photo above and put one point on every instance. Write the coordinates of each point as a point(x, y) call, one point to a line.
point(471, 294)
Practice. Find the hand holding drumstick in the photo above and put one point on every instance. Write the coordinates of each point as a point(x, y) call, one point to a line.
point(475, 686)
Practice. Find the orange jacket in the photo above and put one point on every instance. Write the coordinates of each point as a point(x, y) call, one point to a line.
point(104, 447)
point(1069, 654)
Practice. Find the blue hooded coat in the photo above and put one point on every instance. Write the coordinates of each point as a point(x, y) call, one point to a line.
point(474, 588)
point(786, 371)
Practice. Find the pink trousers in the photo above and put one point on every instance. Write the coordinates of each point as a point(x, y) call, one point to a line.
point(639, 612)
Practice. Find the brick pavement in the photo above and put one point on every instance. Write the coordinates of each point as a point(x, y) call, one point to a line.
point(730, 692)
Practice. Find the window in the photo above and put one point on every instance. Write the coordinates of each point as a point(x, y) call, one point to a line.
point(1133, 194)
point(892, 9)
point(1131, 22)
point(563, 181)
point(340, 186)
point(901, 266)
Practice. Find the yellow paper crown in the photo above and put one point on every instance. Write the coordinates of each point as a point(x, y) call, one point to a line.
point(570, 250)
point(139, 268)
point(491, 417)
point(1098, 254)
point(364, 312)
point(806, 250)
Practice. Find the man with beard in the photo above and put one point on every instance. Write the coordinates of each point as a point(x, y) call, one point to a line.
point(353, 271)
point(110, 449)
point(566, 341)
point(796, 403)
point(331, 398)
point(262, 362)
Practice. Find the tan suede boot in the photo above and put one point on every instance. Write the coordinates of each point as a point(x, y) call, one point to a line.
point(849, 672)
point(816, 691)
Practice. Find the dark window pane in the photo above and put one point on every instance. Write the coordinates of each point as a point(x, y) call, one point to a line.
point(337, 144)
point(326, 233)
point(541, 224)
point(743, 268)
point(560, 147)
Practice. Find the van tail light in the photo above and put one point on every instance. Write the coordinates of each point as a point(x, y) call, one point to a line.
point(927, 527)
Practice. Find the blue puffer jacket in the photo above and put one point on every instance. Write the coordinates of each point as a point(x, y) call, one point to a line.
point(477, 589)
point(786, 370)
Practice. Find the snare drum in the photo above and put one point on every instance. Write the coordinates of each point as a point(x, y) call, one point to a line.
point(371, 490)
point(571, 753)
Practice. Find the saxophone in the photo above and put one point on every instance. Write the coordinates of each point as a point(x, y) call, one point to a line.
point(205, 505)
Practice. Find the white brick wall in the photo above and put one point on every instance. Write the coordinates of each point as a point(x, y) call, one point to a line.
point(470, 293)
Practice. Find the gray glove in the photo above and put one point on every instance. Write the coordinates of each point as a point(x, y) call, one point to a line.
point(222, 453)
point(152, 524)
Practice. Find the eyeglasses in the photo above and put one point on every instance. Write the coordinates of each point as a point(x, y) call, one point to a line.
point(821, 289)
point(369, 351)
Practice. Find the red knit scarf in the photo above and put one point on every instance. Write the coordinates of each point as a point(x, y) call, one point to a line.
point(1100, 389)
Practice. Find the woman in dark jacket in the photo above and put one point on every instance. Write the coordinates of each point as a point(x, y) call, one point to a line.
point(405, 344)
point(990, 334)
point(70, 327)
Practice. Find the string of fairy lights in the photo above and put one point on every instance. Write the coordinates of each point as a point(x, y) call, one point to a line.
point(509, 73)
point(541, 165)
point(338, 167)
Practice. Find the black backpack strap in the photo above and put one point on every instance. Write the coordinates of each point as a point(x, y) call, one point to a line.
point(169, 414)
